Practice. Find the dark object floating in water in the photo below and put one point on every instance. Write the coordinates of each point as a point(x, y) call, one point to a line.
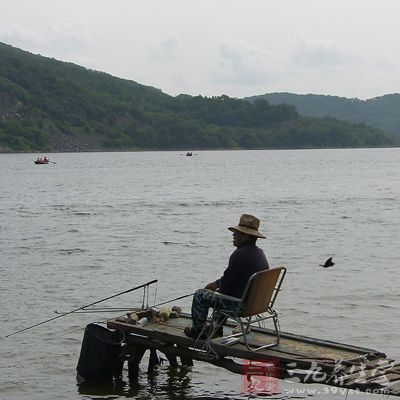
point(189, 153)
point(328, 263)
point(41, 160)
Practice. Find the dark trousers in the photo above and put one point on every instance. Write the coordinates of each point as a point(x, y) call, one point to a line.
point(204, 299)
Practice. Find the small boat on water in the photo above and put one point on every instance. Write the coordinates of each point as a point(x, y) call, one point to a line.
point(41, 160)
point(189, 154)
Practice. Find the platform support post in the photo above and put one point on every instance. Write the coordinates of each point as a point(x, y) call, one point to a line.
point(185, 360)
point(153, 361)
point(134, 356)
point(173, 362)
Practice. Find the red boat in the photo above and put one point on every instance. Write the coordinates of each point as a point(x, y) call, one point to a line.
point(42, 161)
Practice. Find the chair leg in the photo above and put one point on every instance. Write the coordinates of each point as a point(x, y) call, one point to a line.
point(275, 343)
point(215, 323)
point(245, 327)
point(277, 329)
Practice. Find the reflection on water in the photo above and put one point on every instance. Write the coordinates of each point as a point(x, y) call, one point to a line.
point(164, 383)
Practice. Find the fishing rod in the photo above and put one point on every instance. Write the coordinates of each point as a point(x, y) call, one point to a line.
point(85, 310)
point(97, 310)
point(114, 309)
point(100, 310)
point(83, 307)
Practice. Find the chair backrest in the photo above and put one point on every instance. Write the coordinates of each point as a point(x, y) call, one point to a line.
point(261, 291)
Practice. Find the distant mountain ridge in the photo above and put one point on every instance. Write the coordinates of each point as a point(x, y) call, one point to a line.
point(380, 112)
point(49, 105)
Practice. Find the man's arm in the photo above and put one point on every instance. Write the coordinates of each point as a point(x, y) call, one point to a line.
point(212, 286)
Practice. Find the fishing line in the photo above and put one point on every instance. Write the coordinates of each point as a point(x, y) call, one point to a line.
point(144, 295)
point(82, 308)
point(81, 329)
point(177, 298)
point(69, 332)
point(147, 297)
point(155, 295)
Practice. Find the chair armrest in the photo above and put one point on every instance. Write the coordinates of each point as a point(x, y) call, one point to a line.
point(226, 297)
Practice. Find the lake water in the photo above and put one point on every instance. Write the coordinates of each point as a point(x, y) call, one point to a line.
point(95, 224)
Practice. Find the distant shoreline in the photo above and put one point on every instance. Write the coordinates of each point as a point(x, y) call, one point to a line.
point(2, 151)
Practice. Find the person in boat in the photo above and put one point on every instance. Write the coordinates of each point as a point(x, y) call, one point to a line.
point(45, 159)
point(246, 260)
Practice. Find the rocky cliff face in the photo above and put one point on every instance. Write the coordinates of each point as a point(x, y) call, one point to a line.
point(10, 107)
point(62, 142)
point(13, 109)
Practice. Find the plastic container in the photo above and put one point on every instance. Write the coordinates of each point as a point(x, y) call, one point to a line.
point(142, 321)
point(164, 314)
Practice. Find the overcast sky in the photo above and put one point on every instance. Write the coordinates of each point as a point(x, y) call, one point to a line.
point(239, 48)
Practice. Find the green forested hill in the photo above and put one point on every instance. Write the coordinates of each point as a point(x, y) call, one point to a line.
point(51, 105)
point(380, 112)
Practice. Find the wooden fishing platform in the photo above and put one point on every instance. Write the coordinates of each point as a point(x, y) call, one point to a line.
point(297, 358)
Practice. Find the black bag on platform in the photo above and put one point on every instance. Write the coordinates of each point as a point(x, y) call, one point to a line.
point(99, 359)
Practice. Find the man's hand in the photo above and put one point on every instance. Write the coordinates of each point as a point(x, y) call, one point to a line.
point(212, 286)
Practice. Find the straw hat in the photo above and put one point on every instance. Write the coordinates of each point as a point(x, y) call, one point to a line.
point(248, 224)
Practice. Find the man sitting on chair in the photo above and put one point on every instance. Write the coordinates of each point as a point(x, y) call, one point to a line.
point(246, 260)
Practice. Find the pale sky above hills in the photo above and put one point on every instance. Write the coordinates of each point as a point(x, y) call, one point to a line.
point(239, 48)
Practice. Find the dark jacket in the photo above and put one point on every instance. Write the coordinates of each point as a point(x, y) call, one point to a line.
point(243, 263)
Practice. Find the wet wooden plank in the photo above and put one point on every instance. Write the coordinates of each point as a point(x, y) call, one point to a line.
point(364, 379)
point(239, 351)
point(312, 360)
point(378, 362)
point(393, 387)
point(290, 349)
point(384, 379)
point(177, 326)
point(369, 370)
